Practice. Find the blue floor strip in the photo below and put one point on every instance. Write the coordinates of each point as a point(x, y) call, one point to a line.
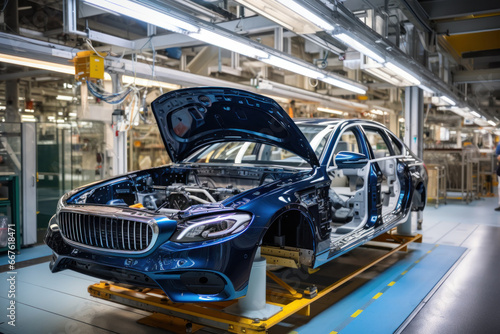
point(28, 254)
point(383, 304)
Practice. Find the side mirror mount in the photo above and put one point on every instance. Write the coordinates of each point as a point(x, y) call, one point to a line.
point(350, 160)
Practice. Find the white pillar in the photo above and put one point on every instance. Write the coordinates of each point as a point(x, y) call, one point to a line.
point(414, 115)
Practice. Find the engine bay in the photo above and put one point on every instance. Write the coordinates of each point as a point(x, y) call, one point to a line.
point(172, 189)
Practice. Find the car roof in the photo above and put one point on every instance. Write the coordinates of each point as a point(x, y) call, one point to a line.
point(334, 121)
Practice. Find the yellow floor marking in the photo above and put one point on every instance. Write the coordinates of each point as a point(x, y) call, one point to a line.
point(377, 295)
point(404, 272)
point(429, 251)
point(391, 284)
point(417, 261)
point(355, 314)
point(333, 332)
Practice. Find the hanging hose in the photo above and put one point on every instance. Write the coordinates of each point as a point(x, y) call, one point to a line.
point(111, 98)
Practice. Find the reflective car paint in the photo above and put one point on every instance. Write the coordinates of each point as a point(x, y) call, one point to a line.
point(191, 118)
point(219, 269)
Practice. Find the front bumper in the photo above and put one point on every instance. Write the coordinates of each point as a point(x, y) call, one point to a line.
point(212, 273)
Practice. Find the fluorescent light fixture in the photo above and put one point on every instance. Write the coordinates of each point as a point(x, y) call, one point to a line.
point(43, 65)
point(402, 73)
point(148, 83)
point(307, 14)
point(51, 118)
point(331, 111)
point(378, 112)
point(60, 113)
point(3, 107)
point(293, 67)
point(425, 88)
point(144, 13)
point(224, 42)
point(280, 14)
point(447, 100)
point(344, 85)
point(380, 73)
point(359, 47)
point(492, 123)
point(72, 114)
point(401, 119)
point(29, 110)
point(28, 118)
point(475, 114)
point(60, 121)
point(64, 98)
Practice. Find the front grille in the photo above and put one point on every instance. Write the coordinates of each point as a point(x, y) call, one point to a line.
point(106, 232)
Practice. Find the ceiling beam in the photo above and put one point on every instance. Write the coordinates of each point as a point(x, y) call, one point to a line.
point(24, 74)
point(415, 13)
point(444, 9)
point(468, 26)
point(244, 26)
point(477, 76)
point(481, 54)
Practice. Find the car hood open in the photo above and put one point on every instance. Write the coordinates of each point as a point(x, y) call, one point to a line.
point(192, 118)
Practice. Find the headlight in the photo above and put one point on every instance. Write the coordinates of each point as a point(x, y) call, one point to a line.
point(212, 227)
point(61, 202)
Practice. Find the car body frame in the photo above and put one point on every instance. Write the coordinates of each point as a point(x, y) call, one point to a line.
point(244, 175)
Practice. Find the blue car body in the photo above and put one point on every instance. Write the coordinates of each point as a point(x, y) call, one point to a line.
point(192, 228)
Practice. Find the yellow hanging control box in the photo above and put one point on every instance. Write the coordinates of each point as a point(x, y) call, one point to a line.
point(89, 65)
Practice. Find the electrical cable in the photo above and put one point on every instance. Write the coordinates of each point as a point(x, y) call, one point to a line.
point(111, 98)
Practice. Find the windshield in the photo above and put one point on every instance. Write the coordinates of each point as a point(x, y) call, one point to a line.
point(237, 152)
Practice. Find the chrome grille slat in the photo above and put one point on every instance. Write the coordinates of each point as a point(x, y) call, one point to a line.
point(100, 230)
point(123, 235)
point(95, 233)
point(135, 241)
point(85, 229)
point(106, 231)
point(140, 236)
point(103, 232)
point(80, 228)
point(128, 235)
point(73, 234)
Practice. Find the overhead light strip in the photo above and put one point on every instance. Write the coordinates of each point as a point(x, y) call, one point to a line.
point(43, 65)
point(330, 111)
point(447, 100)
point(224, 42)
point(307, 14)
point(344, 85)
point(359, 47)
point(64, 98)
point(402, 73)
point(378, 112)
point(293, 67)
point(148, 83)
point(142, 12)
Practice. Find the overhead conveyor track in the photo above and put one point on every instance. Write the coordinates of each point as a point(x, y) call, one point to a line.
point(192, 317)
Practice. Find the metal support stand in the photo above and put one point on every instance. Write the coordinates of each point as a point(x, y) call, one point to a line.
point(254, 305)
point(414, 114)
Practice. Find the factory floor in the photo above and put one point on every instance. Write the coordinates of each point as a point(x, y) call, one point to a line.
point(447, 284)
